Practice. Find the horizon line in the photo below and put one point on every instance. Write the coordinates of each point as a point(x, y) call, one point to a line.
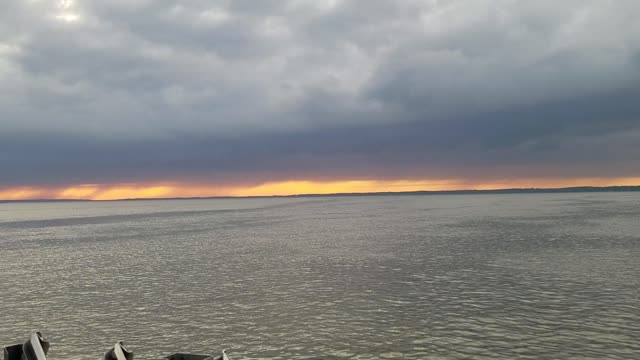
point(532, 190)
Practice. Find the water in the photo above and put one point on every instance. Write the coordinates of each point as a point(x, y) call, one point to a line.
point(554, 276)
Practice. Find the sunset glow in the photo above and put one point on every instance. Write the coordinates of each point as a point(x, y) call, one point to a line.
point(284, 188)
point(101, 102)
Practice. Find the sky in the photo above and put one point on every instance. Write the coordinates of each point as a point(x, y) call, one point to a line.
point(110, 99)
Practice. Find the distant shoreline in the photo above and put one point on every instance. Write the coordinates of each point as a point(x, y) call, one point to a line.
point(576, 189)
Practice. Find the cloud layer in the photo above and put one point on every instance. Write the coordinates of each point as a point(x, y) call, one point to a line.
point(242, 91)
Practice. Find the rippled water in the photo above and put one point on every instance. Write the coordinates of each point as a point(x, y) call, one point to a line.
point(443, 277)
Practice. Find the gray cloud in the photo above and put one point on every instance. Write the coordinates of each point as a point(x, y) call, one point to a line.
point(125, 91)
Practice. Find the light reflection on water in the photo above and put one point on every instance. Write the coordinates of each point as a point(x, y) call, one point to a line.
point(406, 277)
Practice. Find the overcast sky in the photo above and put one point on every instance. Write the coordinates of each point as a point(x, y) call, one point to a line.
point(249, 91)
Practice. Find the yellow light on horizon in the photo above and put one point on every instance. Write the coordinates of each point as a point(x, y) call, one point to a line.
point(21, 193)
point(335, 187)
point(128, 192)
point(78, 192)
point(289, 187)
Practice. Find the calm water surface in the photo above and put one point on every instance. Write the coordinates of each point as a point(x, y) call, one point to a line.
point(407, 277)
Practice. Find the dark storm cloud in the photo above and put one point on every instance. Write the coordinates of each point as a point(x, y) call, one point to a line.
point(228, 91)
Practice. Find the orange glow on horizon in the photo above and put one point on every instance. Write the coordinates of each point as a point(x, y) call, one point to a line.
point(291, 187)
point(21, 193)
